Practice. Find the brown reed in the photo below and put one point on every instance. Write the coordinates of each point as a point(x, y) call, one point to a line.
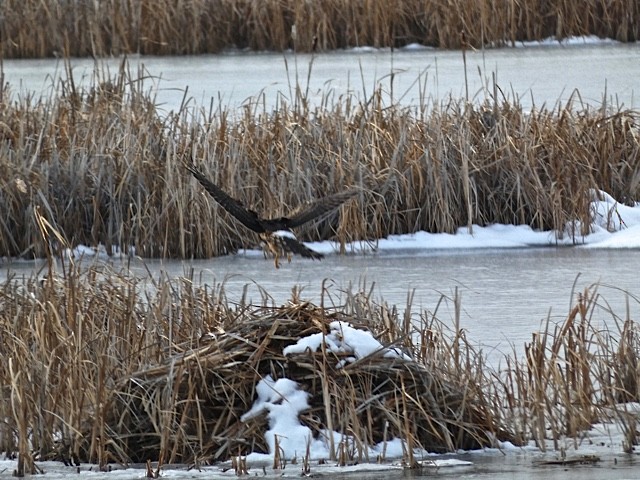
point(104, 367)
point(124, 375)
point(574, 374)
point(33, 28)
point(105, 167)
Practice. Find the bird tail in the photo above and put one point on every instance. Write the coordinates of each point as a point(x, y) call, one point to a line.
point(299, 248)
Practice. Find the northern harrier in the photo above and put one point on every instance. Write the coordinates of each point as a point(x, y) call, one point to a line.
point(276, 233)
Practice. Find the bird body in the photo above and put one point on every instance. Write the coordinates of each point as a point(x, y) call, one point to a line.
point(276, 233)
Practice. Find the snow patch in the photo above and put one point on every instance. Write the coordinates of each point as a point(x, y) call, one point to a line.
point(613, 225)
point(344, 339)
point(283, 400)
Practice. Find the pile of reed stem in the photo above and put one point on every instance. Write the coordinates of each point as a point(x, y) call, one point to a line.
point(102, 366)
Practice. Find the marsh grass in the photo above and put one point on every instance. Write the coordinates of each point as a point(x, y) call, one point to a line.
point(573, 375)
point(105, 167)
point(74, 28)
point(116, 374)
point(103, 367)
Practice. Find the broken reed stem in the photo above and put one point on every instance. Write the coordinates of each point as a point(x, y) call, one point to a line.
point(326, 397)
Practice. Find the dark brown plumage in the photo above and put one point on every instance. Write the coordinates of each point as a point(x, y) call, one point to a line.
point(276, 233)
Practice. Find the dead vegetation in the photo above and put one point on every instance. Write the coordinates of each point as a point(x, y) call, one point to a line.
point(33, 28)
point(104, 367)
point(105, 167)
point(116, 374)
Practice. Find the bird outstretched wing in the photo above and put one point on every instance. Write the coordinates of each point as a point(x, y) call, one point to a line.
point(247, 217)
point(252, 221)
point(319, 208)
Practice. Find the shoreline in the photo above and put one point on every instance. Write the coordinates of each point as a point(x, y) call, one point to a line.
point(76, 29)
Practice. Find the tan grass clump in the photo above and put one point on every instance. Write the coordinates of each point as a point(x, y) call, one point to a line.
point(101, 367)
point(575, 374)
point(105, 167)
point(162, 27)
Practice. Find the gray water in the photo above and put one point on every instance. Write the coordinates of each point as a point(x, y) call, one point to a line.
point(506, 294)
point(536, 75)
point(490, 465)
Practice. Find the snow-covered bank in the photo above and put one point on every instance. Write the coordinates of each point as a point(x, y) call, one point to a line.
point(614, 225)
point(546, 42)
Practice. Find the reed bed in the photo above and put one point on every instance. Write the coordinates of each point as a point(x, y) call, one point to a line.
point(96, 368)
point(104, 367)
point(76, 28)
point(574, 374)
point(103, 166)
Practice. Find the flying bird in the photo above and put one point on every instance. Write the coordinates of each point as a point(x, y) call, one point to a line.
point(276, 233)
